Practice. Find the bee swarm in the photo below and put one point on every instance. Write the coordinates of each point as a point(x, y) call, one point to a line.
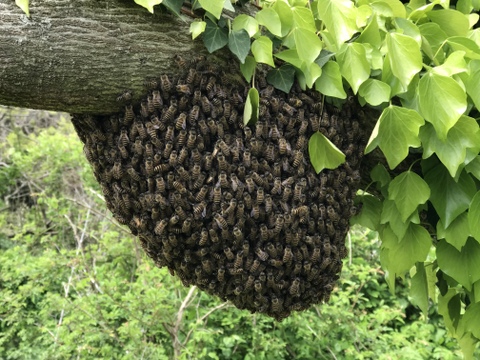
point(238, 211)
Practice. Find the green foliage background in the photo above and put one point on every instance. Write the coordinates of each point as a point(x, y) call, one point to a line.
point(74, 284)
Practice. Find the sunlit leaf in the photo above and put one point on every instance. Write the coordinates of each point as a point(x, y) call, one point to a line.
point(473, 87)
point(371, 34)
point(323, 153)
point(214, 7)
point(451, 21)
point(147, 4)
point(456, 233)
point(311, 72)
point(442, 101)
point(247, 23)
point(282, 78)
point(270, 19)
point(290, 56)
point(248, 68)
point(391, 216)
point(433, 38)
point(449, 308)
point(474, 216)
point(24, 5)
point(472, 319)
point(239, 44)
point(303, 18)
point(396, 131)
point(463, 266)
point(308, 44)
point(354, 64)
point(330, 82)
point(404, 56)
point(370, 212)
point(375, 92)
point(380, 174)
point(262, 50)
point(454, 64)
point(284, 12)
point(214, 36)
point(197, 28)
point(339, 17)
point(251, 111)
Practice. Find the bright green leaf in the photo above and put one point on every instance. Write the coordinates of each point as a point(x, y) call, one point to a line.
point(173, 5)
point(323, 153)
point(248, 68)
point(375, 92)
point(303, 18)
point(247, 23)
point(24, 5)
point(390, 215)
point(408, 190)
point(452, 152)
point(433, 37)
point(453, 22)
point(282, 78)
point(227, 5)
point(369, 215)
point(419, 288)
point(214, 7)
point(460, 43)
point(147, 4)
point(449, 198)
point(408, 28)
point(380, 174)
point(197, 28)
point(473, 167)
point(339, 17)
point(442, 101)
point(398, 9)
point(214, 37)
point(330, 82)
point(239, 44)
point(456, 233)
point(308, 44)
point(290, 56)
point(404, 56)
point(270, 19)
point(454, 64)
point(472, 319)
point(396, 131)
point(323, 58)
point(371, 34)
point(463, 266)
point(284, 12)
point(262, 50)
point(474, 216)
point(251, 111)
point(473, 87)
point(449, 308)
point(311, 72)
point(354, 64)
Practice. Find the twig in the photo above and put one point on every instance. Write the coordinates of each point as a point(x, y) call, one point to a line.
point(176, 342)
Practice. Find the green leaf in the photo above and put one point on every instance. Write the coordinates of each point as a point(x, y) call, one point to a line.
point(270, 19)
point(303, 18)
point(404, 253)
point(463, 266)
point(442, 101)
point(369, 215)
point(147, 4)
point(452, 152)
point(214, 7)
point(330, 82)
point(290, 56)
point(173, 5)
point(24, 5)
point(323, 58)
point(453, 22)
point(395, 131)
point(433, 38)
point(354, 64)
point(404, 56)
point(308, 44)
point(262, 50)
point(247, 23)
point(339, 17)
point(251, 111)
point(282, 78)
point(449, 308)
point(284, 12)
point(419, 288)
point(473, 87)
point(454, 64)
point(456, 233)
point(323, 153)
point(371, 34)
point(312, 72)
point(472, 319)
point(197, 28)
point(375, 92)
point(408, 28)
point(473, 167)
point(239, 44)
point(390, 215)
point(474, 216)
point(227, 5)
point(248, 68)
point(460, 43)
point(380, 174)
point(214, 36)
point(408, 190)
point(449, 198)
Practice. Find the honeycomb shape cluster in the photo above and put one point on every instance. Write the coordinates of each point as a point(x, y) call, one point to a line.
point(238, 211)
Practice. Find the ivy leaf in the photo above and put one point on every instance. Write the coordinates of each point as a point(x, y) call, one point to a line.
point(147, 4)
point(405, 252)
point(173, 5)
point(395, 131)
point(404, 56)
point(390, 215)
point(227, 5)
point(380, 174)
point(472, 319)
point(442, 101)
point(251, 111)
point(214, 36)
point(282, 78)
point(465, 134)
point(354, 64)
point(371, 34)
point(262, 50)
point(473, 167)
point(453, 22)
point(456, 233)
point(308, 44)
point(339, 17)
point(473, 87)
point(474, 216)
point(214, 7)
point(197, 28)
point(311, 72)
point(290, 56)
point(419, 288)
point(454, 64)
point(248, 68)
point(449, 198)
point(460, 43)
point(408, 190)
point(239, 44)
point(449, 307)
point(303, 18)
point(375, 92)
point(330, 82)
point(323, 153)
point(270, 19)
point(369, 215)
point(433, 38)
point(247, 23)
point(284, 12)
point(323, 58)
point(463, 266)
point(24, 5)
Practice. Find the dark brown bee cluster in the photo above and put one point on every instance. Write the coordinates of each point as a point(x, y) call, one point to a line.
point(238, 211)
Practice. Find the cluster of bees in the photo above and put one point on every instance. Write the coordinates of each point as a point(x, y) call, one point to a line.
point(236, 210)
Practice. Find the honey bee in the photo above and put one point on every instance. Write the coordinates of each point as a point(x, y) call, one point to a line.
point(330, 227)
point(160, 227)
point(183, 89)
point(125, 96)
point(173, 158)
point(199, 209)
point(262, 255)
point(117, 170)
point(180, 212)
point(186, 226)
point(260, 195)
point(199, 182)
point(238, 260)
point(192, 73)
point(221, 222)
point(123, 139)
point(179, 187)
point(250, 184)
point(301, 142)
point(270, 153)
point(206, 106)
point(294, 289)
point(228, 253)
point(267, 91)
point(192, 138)
point(325, 263)
point(290, 110)
point(165, 84)
point(221, 274)
point(258, 286)
point(297, 158)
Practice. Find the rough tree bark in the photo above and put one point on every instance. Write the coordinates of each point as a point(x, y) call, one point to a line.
point(78, 56)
